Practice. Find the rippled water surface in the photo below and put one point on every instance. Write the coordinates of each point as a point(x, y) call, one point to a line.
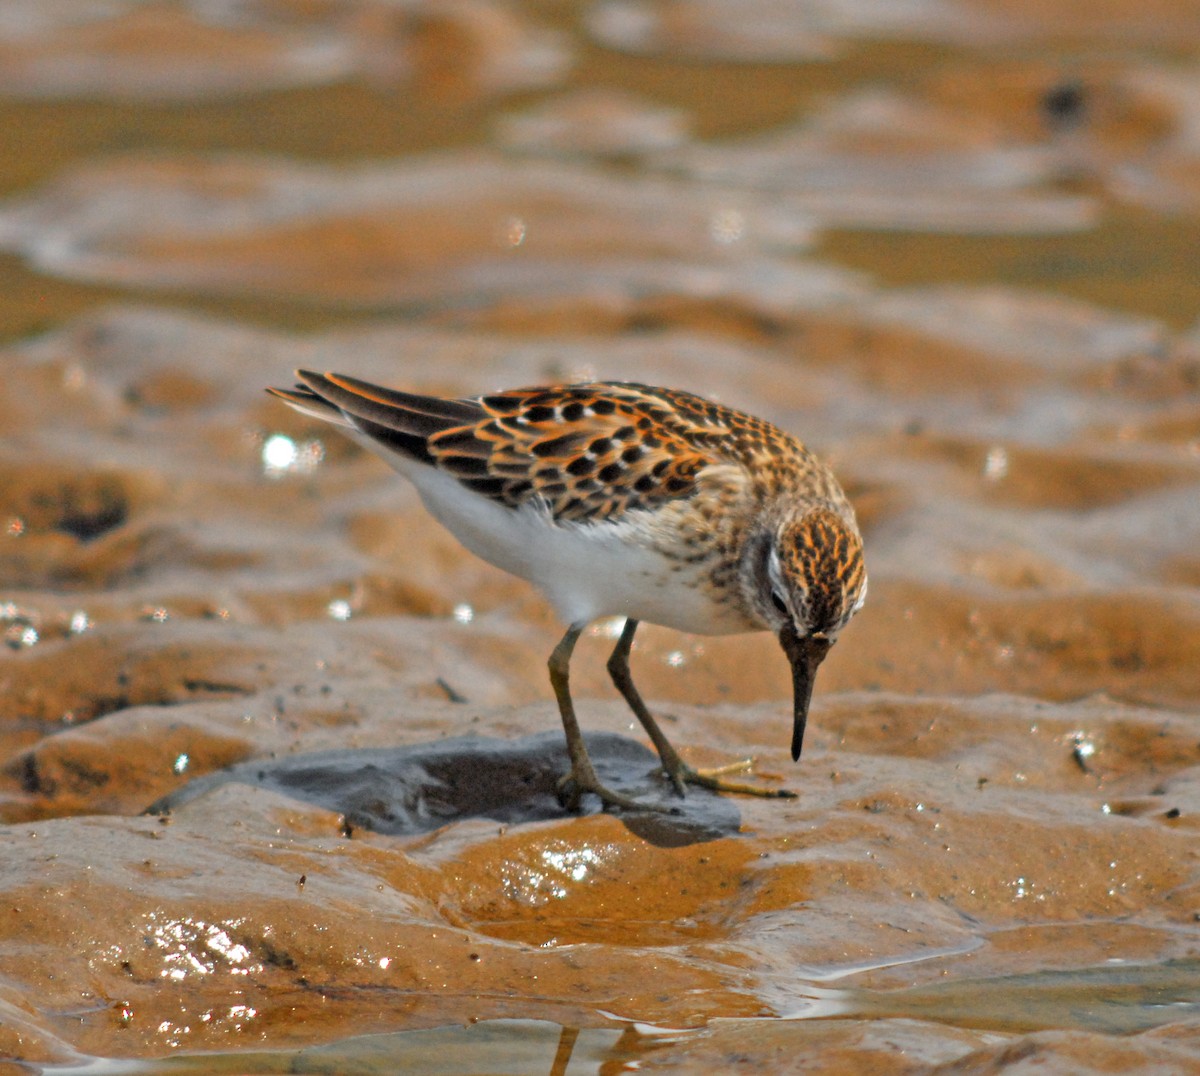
point(950, 244)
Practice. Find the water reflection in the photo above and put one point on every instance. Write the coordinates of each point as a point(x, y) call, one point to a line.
point(1111, 999)
point(995, 466)
point(194, 947)
point(281, 455)
point(556, 870)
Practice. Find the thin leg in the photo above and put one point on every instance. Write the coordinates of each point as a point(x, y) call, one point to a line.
point(582, 777)
point(618, 669)
point(679, 772)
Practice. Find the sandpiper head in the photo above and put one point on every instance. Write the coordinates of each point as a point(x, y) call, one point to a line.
point(810, 580)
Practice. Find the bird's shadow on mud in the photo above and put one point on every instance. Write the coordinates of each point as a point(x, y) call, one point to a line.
point(412, 790)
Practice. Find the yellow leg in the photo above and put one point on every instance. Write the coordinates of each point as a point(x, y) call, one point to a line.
point(678, 771)
point(582, 777)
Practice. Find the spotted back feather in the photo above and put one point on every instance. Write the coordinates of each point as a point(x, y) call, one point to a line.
point(587, 452)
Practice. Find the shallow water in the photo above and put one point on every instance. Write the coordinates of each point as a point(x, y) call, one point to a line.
point(949, 245)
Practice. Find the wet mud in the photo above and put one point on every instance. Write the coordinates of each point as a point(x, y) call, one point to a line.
point(279, 760)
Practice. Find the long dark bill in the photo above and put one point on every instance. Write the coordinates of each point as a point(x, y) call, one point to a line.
point(805, 655)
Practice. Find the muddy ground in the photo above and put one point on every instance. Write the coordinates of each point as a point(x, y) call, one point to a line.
point(950, 246)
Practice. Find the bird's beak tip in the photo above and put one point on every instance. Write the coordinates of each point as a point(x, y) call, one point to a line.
point(805, 654)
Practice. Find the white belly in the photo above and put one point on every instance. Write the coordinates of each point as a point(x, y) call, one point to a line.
point(586, 572)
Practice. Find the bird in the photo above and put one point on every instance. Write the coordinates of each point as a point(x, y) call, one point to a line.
point(619, 499)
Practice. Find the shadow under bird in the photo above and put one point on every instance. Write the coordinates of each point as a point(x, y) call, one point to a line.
point(621, 499)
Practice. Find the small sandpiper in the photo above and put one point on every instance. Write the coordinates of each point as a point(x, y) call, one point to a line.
point(620, 499)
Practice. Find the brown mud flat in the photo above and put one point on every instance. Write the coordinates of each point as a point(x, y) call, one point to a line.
point(278, 758)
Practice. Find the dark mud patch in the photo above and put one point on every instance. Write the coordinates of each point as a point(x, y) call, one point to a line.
point(414, 790)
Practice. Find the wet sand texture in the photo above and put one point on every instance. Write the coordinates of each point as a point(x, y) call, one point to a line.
point(278, 758)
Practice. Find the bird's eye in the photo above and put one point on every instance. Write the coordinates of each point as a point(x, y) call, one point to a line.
point(779, 603)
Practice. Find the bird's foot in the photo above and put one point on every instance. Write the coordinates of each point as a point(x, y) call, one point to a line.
point(714, 778)
point(581, 779)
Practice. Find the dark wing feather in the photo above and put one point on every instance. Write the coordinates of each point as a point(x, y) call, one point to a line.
point(400, 421)
point(587, 452)
point(302, 398)
point(381, 404)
